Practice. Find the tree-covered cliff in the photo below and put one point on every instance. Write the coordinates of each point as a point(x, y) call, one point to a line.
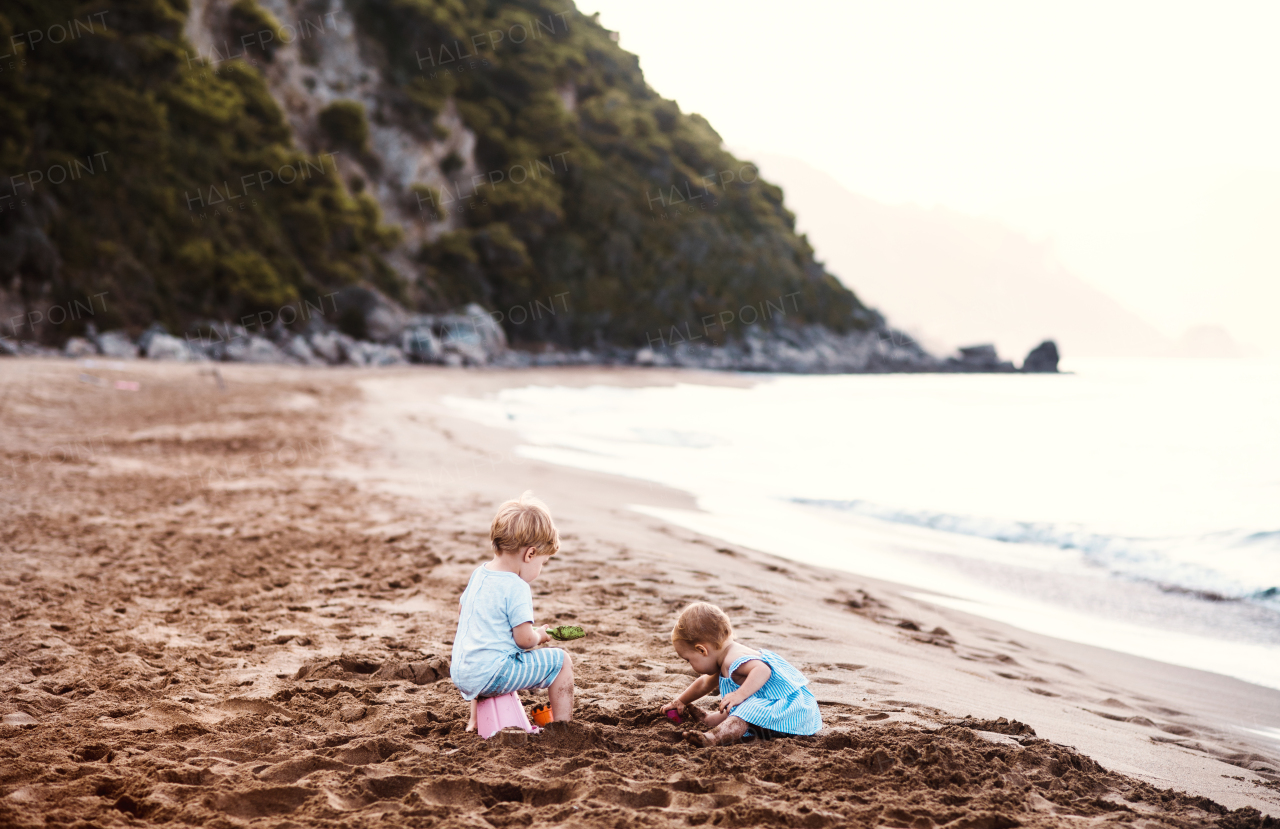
point(123, 95)
point(191, 191)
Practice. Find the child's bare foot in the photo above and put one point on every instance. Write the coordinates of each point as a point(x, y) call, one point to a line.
point(726, 733)
point(698, 739)
point(471, 723)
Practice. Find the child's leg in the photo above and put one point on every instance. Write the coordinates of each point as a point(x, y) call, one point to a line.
point(710, 720)
point(561, 692)
point(471, 723)
point(728, 732)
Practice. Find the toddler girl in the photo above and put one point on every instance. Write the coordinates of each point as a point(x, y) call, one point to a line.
point(762, 696)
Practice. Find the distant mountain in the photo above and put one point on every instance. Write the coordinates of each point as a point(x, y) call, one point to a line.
point(954, 279)
point(1212, 341)
point(1189, 246)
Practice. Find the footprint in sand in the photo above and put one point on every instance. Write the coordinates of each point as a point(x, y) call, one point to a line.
point(257, 803)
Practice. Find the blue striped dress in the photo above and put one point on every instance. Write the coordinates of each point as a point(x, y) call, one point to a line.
point(782, 704)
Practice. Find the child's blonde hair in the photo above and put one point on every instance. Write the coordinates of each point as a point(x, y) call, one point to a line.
point(524, 522)
point(702, 624)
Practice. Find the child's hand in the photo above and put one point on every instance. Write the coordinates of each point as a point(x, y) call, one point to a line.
point(684, 709)
point(543, 637)
point(731, 701)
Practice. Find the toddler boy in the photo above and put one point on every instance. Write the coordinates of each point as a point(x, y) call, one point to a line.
point(493, 648)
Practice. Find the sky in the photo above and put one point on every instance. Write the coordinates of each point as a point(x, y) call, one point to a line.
point(1141, 138)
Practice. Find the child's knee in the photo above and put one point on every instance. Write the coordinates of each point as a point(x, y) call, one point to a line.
point(567, 666)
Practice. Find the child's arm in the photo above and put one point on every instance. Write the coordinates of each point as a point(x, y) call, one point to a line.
point(519, 609)
point(697, 689)
point(527, 637)
point(757, 676)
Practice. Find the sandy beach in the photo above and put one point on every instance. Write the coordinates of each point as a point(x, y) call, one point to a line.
point(229, 598)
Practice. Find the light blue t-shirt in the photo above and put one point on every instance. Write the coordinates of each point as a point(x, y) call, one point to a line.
point(493, 603)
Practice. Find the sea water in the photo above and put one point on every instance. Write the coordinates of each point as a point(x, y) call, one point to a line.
point(1133, 505)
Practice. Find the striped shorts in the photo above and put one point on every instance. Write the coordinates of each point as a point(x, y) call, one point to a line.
point(526, 669)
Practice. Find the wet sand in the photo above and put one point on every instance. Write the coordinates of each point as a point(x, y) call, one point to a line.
point(229, 600)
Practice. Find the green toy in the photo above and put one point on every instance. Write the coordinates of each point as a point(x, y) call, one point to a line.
point(566, 632)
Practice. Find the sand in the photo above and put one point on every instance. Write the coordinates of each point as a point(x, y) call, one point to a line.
point(229, 600)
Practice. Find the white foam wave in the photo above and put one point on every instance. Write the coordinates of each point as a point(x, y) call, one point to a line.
point(1245, 561)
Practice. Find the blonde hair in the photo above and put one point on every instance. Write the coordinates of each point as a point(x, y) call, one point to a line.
point(524, 522)
point(702, 624)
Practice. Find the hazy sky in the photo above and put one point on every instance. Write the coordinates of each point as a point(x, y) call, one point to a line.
point(1143, 138)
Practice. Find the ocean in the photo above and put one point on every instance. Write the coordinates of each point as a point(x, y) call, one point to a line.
point(1132, 505)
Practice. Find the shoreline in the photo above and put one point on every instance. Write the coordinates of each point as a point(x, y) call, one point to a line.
point(472, 337)
point(1104, 688)
point(1104, 561)
point(268, 640)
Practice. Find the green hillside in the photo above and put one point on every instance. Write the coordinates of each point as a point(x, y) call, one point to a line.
point(635, 209)
point(125, 91)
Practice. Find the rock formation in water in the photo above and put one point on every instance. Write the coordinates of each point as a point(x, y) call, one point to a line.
point(1042, 358)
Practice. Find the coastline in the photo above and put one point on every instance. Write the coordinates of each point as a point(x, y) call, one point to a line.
point(235, 603)
point(1074, 694)
point(982, 491)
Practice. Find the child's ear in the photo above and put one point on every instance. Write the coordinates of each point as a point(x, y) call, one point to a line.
point(529, 553)
point(702, 649)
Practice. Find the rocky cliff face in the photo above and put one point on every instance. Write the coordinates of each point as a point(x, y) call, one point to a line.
point(312, 55)
point(519, 156)
point(454, 177)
